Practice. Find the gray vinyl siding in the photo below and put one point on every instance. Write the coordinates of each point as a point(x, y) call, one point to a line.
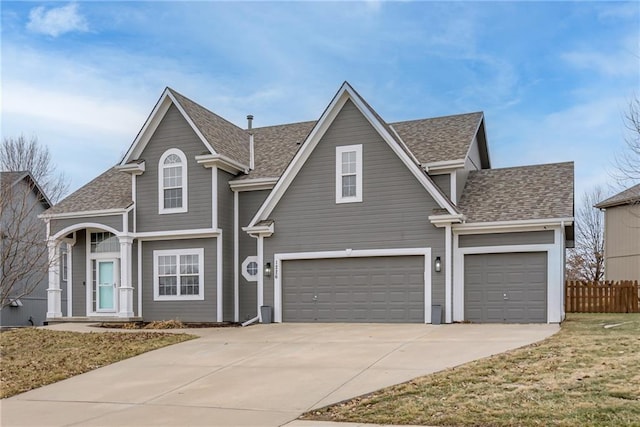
point(32, 307)
point(79, 271)
point(504, 239)
point(393, 213)
point(130, 219)
point(225, 222)
point(473, 160)
point(113, 221)
point(24, 205)
point(249, 202)
point(186, 311)
point(461, 180)
point(173, 132)
point(443, 182)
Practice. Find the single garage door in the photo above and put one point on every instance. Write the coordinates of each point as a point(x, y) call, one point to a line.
point(374, 289)
point(509, 288)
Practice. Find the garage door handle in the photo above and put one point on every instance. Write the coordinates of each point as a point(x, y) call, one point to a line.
point(315, 298)
point(505, 297)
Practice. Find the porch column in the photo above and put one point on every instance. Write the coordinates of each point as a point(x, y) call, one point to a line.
point(54, 293)
point(125, 291)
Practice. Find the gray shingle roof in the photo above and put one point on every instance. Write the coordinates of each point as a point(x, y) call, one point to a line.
point(225, 137)
point(275, 146)
point(428, 139)
point(441, 138)
point(626, 197)
point(8, 178)
point(519, 193)
point(111, 190)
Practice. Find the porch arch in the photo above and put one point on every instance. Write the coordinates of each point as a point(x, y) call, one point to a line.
point(84, 225)
point(124, 293)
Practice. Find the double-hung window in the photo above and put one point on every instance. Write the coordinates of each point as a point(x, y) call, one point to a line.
point(178, 274)
point(172, 182)
point(349, 173)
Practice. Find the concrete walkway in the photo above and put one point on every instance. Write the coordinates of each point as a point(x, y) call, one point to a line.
point(262, 375)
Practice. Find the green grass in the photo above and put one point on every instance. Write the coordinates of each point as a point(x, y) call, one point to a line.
point(34, 357)
point(585, 375)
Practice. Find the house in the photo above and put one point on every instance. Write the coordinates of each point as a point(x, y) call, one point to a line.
point(344, 219)
point(622, 235)
point(23, 252)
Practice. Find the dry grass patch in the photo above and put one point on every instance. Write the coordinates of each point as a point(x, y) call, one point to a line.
point(33, 357)
point(585, 375)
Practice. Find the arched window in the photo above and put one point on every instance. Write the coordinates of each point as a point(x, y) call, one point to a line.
point(172, 182)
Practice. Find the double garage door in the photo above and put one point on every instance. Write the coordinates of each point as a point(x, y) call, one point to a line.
point(372, 289)
point(509, 287)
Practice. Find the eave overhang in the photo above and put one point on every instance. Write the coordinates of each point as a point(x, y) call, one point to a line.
point(443, 166)
point(136, 168)
point(222, 162)
point(262, 229)
point(253, 184)
point(447, 219)
point(538, 224)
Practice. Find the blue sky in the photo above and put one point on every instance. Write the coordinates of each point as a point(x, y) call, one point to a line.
point(553, 78)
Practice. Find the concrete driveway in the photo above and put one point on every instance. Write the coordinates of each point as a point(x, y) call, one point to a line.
point(262, 375)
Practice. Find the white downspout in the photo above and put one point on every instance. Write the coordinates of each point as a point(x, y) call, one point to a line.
point(236, 259)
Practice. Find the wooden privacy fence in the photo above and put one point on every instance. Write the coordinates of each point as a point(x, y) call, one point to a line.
point(601, 297)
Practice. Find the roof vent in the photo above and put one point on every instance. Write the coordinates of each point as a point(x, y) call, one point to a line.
point(251, 148)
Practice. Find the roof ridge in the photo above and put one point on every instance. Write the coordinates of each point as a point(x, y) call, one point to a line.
point(175, 92)
point(437, 117)
point(285, 124)
point(525, 166)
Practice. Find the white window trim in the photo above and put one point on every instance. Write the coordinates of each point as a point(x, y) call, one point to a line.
point(245, 273)
point(185, 187)
point(345, 149)
point(177, 253)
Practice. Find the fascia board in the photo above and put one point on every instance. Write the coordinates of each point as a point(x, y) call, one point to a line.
point(193, 125)
point(132, 168)
point(154, 119)
point(253, 184)
point(507, 225)
point(149, 127)
point(445, 166)
point(301, 156)
point(222, 162)
point(104, 212)
point(345, 93)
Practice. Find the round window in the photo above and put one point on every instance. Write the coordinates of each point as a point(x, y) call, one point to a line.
point(252, 268)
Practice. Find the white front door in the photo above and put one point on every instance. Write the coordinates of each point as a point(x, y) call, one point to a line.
point(106, 291)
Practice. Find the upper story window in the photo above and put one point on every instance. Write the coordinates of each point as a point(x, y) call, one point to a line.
point(349, 173)
point(172, 182)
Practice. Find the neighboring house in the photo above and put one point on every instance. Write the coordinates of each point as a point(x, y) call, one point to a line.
point(23, 257)
point(344, 219)
point(622, 235)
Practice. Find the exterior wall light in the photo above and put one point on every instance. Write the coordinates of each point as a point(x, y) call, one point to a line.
point(267, 269)
point(437, 264)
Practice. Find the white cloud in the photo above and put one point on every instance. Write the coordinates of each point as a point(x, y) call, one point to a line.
point(57, 21)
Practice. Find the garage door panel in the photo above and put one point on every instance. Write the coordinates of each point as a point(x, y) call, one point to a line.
point(380, 289)
point(521, 276)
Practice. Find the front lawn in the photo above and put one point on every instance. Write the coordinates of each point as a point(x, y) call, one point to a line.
point(31, 357)
point(586, 374)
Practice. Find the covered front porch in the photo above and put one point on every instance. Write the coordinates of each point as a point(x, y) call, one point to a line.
point(95, 273)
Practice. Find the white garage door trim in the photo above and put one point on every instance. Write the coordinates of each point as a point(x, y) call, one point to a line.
point(555, 279)
point(349, 253)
